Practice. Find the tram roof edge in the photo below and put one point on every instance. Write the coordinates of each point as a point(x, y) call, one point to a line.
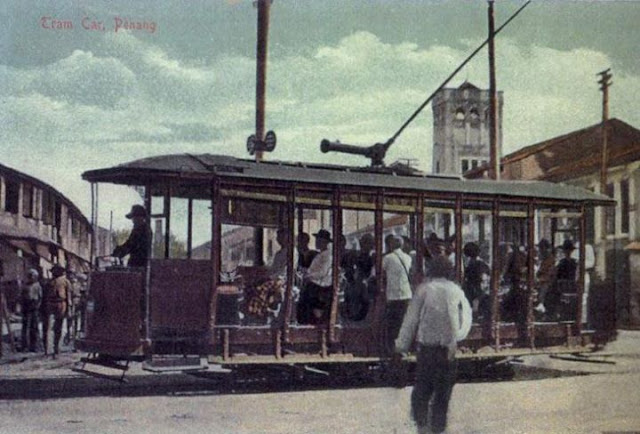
point(206, 166)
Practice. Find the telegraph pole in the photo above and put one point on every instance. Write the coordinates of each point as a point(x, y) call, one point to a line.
point(605, 77)
point(604, 81)
point(494, 157)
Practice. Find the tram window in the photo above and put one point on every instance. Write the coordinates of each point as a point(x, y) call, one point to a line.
point(178, 230)
point(253, 255)
point(312, 293)
point(477, 238)
point(514, 265)
point(558, 259)
point(357, 264)
point(439, 232)
point(201, 229)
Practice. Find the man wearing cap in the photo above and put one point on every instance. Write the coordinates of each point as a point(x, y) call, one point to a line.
point(30, 299)
point(317, 291)
point(57, 299)
point(138, 245)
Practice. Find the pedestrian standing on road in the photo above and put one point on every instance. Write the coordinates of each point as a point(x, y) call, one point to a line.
point(30, 300)
point(438, 316)
point(57, 299)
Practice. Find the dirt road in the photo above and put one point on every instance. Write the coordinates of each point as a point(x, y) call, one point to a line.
point(572, 398)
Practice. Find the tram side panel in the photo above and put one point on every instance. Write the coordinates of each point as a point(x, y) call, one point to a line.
point(114, 313)
point(179, 300)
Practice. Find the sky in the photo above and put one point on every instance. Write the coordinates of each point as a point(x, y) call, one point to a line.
point(88, 84)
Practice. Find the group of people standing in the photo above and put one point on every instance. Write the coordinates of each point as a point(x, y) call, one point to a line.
point(50, 301)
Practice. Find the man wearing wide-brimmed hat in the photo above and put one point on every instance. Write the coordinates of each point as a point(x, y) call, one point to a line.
point(138, 245)
point(565, 282)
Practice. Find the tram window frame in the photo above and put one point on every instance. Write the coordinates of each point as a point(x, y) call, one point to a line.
point(324, 202)
point(471, 210)
point(357, 310)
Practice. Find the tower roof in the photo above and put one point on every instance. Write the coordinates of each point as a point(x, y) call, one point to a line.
point(468, 85)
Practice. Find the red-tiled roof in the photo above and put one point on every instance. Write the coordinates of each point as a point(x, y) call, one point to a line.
point(577, 153)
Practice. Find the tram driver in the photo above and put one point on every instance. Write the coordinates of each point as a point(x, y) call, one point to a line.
point(138, 245)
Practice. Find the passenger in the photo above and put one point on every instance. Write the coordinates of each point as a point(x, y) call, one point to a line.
point(138, 245)
point(565, 282)
point(305, 254)
point(407, 247)
point(434, 247)
point(395, 266)
point(278, 266)
point(359, 275)
point(30, 300)
point(438, 317)
point(476, 278)
point(56, 302)
point(365, 263)
point(317, 291)
point(545, 275)
point(514, 305)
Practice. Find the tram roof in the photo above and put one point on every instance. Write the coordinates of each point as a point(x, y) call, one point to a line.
point(202, 166)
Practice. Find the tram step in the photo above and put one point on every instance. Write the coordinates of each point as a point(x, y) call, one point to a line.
point(182, 363)
point(105, 362)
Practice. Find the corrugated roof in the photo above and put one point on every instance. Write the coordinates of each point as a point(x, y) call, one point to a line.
point(208, 165)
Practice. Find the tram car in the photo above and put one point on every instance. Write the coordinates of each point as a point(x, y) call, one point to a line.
point(234, 294)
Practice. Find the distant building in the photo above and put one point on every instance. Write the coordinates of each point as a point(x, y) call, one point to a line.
point(39, 227)
point(576, 158)
point(461, 128)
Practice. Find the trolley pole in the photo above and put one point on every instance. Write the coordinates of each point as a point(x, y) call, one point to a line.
point(261, 69)
point(494, 156)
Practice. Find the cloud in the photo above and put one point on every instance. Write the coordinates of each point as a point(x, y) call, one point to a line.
point(127, 98)
point(83, 78)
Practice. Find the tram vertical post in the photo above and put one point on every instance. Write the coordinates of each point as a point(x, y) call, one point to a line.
point(531, 234)
point(494, 331)
point(216, 234)
point(581, 270)
point(336, 212)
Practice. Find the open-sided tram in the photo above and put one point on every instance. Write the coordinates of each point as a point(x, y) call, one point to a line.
point(220, 297)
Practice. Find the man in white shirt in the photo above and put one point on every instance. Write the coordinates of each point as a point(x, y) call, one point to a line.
point(438, 316)
point(315, 299)
point(395, 266)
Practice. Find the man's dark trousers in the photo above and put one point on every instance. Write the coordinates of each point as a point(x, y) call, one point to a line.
point(435, 378)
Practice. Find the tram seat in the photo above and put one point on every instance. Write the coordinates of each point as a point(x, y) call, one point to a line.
point(263, 295)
